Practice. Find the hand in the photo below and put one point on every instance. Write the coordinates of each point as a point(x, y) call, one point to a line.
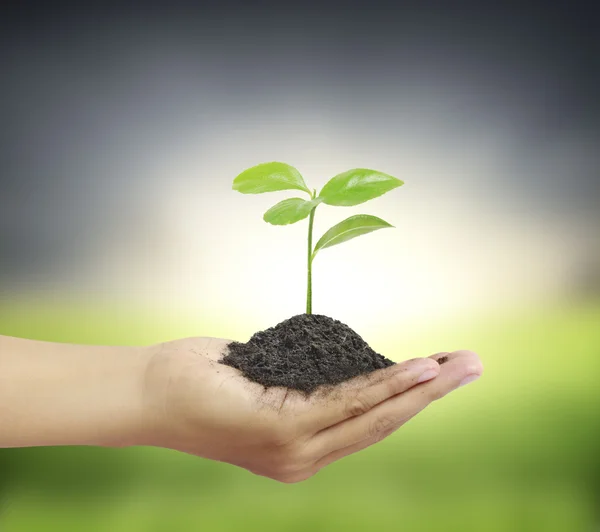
point(205, 408)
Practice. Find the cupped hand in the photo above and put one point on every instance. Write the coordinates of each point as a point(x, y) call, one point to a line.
point(199, 406)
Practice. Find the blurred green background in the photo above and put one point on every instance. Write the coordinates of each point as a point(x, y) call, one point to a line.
point(516, 451)
point(122, 129)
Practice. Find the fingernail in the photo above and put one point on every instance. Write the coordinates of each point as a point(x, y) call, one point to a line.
point(427, 376)
point(468, 379)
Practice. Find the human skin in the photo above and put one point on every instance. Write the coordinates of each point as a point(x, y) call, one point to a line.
point(176, 395)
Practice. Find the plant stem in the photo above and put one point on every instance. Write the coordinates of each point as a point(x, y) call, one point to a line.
point(309, 280)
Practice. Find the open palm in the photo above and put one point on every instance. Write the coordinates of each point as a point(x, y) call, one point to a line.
point(208, 409)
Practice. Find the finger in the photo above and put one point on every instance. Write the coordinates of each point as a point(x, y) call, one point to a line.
point(468, 358)
point(443, 357)
point(363, 393)
point(397, 410)
point(338, 454)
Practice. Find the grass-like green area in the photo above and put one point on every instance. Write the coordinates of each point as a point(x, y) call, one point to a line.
point(516, 451)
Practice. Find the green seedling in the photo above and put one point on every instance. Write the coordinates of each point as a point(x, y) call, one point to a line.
point(346, 189)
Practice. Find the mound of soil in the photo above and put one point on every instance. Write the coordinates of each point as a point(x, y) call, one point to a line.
point(303, 353)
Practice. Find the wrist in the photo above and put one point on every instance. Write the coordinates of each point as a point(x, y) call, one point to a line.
point(158, 425)
point(122, 414)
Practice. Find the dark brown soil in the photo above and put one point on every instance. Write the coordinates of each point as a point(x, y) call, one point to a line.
point(303, 353)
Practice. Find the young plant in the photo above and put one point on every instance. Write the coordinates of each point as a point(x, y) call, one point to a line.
point(346, 189)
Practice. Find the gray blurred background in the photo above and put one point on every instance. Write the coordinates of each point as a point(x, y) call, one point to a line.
point(123, 127)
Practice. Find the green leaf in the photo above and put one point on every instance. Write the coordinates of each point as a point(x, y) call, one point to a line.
point(352, 227)
point(289, 211)
point(269, 177)
point(357, 186)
